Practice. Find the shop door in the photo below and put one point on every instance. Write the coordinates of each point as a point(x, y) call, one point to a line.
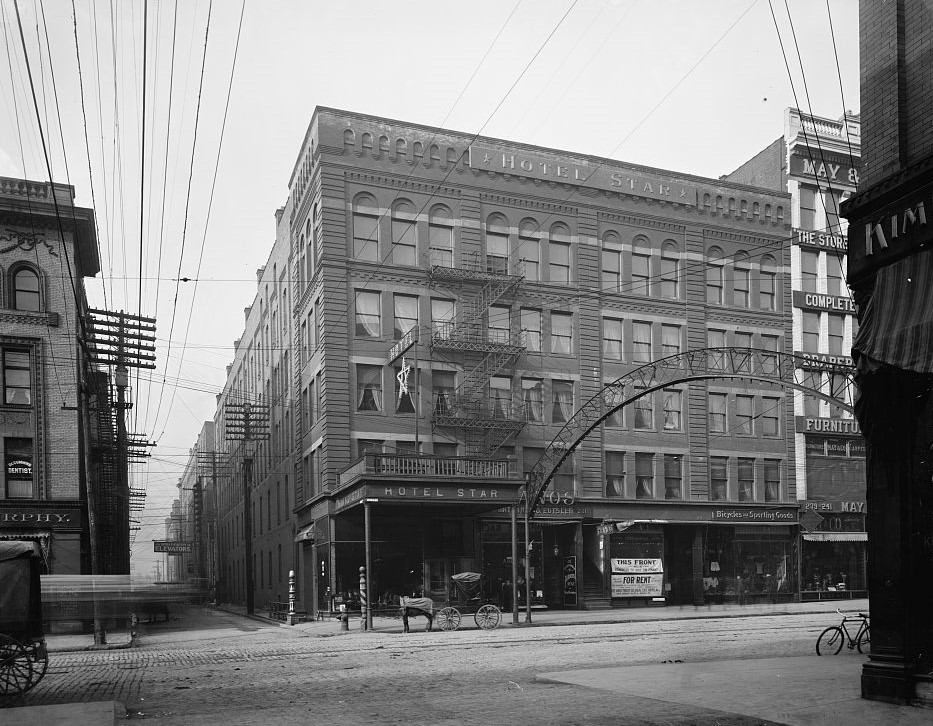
point(437, 574)
point(678, 561)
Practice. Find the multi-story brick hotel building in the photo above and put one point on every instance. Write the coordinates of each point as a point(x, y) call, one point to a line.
point(437, 305)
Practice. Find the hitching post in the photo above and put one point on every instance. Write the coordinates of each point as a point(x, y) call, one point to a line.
point(292, 617)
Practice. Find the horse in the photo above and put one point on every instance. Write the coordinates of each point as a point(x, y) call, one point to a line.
point(415, 606)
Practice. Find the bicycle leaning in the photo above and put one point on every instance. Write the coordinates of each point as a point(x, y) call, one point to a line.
point(831, 640)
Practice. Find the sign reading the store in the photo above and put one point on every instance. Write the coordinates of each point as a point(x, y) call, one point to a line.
point(538, 165)
point(172, 547)
point(823, 168)
point(34, 517)
point(897, 230)
point(839, 426)
point(822, 361)
point(736, 514)
point(820, 240)
point(637, 585)
point(819, 301)
point(629, 565)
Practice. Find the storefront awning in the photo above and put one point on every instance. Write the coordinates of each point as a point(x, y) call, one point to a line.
point(836, 536)
point(305, 534)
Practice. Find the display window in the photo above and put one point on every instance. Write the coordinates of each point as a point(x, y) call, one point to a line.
point(748, 564)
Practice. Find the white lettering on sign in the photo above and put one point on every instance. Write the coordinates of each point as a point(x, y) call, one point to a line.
point(421, 492)
point(821, 240)
point(50, 517)
point(899, 224)
point(832, 425)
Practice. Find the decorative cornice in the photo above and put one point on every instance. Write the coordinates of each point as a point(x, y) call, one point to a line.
point(11, 239)
point(721, 234)
point(25, 317)
point(403, 183)
point(638, 221)
point(527, 203)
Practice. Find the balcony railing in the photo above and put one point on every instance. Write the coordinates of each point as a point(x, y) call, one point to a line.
point(435, 467)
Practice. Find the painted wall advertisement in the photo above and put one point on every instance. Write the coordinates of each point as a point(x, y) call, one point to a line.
point(632, 577)
point(570, 581)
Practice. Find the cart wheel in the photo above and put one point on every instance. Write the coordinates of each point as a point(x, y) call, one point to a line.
point(448, 618)
point(15, 667)
point(40, 662)
point(488, 617)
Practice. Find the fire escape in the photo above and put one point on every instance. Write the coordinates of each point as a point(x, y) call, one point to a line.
point(485, 422)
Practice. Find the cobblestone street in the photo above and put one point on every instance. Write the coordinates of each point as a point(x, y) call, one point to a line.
point(210, 667)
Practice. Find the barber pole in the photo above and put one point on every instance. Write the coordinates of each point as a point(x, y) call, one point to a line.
point(364, 605)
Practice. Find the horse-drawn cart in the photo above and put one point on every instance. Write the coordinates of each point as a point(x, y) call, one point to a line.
point(23, 656)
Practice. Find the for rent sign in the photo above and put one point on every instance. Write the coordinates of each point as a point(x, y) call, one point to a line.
point(651, 585)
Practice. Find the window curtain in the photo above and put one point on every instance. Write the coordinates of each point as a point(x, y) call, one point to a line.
point(561, 333)
point(369, 388)
point(533, 398)
point(563, 402)
point(672, 410)
point(367, 314)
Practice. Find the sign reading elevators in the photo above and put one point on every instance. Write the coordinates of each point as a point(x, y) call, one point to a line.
point(172, 547)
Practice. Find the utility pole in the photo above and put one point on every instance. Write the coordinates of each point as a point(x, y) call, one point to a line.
point(247, 422)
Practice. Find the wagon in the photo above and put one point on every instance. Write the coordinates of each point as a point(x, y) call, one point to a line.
point(23, 655)
point(468, 596)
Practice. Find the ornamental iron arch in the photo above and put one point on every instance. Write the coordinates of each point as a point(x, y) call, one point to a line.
point(752, 364)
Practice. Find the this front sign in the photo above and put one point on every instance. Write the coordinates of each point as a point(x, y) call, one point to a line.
point(899, 229)
point(743, 515)
point(628, 565)
point(31, 517)
point(821, 301)
point(820, 425)
point(172, 547)
point(539, 165)
point(637, 585)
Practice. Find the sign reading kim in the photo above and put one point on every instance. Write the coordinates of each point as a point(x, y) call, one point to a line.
point(538, 165)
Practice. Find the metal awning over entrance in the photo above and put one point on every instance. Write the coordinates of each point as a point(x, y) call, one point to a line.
point(836, 536)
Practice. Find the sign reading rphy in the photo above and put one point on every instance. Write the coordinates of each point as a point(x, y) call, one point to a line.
point(536, 165)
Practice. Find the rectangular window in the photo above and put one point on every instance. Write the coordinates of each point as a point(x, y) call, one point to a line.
point(644, 476)
point(533, 399)
point(497, 253)
point(365, 237)
point(404, 402)
point(714, 284)
point(500, 396)
point(741, 286)
point(770, 416)
point(673, 403)
point(716, 359)
point(531, 330)
point(641, 342)
point(743, 359)
point(442, 318)
point(531, 258)
point(406, 314)
point(562, 333)
point(769, 363)
point(441, 241)
point(746, 480)
point(772, 480)
point(836, 323)
point(717, 413)
point(368, 323)
point(368, 388)
point(615, 473)
point(644, 410)
point(807, 197)
point(612, 270)
point(811, 403)
point(18, 468)
point(641, 264)
point(612, 339)
point(831, 202)
point(670, 340)
point(767, 290)
point(500, 325)
point(809, 260)
point(669, 277)
point(673, 476)
point(744, 415)
point(443, 385)
point(811, 331)
point(718, 478)
point(17, 378)
point(561, 401)
point(404, 248)
point(559, 262)
point(446, 450)
point(834, 282)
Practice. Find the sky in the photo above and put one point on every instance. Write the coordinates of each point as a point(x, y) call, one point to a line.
point(186, 163)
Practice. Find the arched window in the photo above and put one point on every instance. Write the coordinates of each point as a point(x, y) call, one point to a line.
point(401, 148)
point(611, 276)
point(365, 228)
point(404, 234)
point(559, 253)
point(529, 249)
point(741, 280)
point(767, 287)
point(714, 276)
point(25, 290)
point(641, 266)
point(349, 137)
point(497, 244)
point(670, 270)
point(441, 236)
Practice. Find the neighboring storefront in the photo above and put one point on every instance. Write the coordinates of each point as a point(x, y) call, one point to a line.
point(56, 526)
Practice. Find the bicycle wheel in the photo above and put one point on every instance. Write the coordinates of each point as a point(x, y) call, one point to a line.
point(830, 641)
point(864, 640)
point(448, 618)
point(488, 617)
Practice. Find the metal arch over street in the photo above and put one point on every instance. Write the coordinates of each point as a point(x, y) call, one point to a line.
point(752, 364)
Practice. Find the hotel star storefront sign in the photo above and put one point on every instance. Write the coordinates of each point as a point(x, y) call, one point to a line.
point(536, 165)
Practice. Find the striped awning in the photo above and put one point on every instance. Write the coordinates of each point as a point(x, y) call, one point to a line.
point(897, 324)
point(836, 536)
